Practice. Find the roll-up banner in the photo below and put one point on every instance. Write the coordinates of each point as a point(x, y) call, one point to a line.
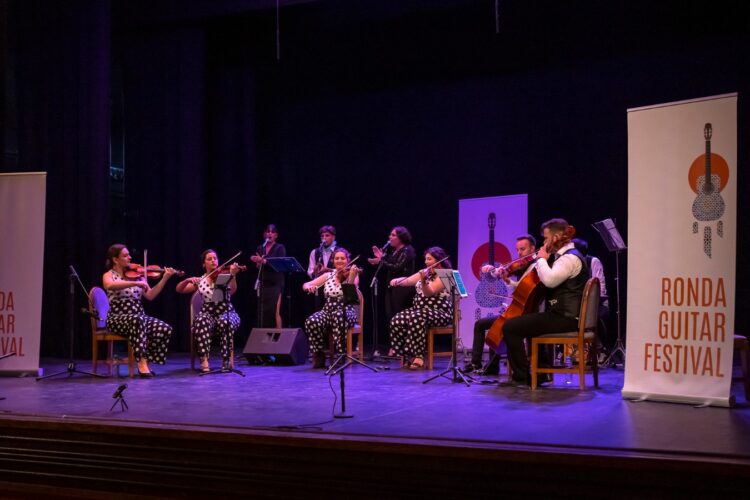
point(487, 232)
point(22, 204)
point(682, 222)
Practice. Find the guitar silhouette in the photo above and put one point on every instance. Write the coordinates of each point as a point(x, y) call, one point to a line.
point(491, 291)
point(708, 204)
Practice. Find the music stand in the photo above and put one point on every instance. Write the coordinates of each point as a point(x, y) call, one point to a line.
point(453, 282)
point(286, 265)
point(614, 243)
point(71, 369)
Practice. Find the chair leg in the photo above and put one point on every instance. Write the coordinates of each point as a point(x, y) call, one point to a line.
point(349, 334)
point(131, 361)
point(361, 344)
point(94, 353)
point(533, 364)
point(110, 355)
point(595, 362)
point(430, 349)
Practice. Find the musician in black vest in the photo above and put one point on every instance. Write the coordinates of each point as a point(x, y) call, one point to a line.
point(563, 270)
point(321, 260)
point(525, 246)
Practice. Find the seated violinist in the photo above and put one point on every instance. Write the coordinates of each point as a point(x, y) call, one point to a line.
point(432, 307)
point(214, 318)
point(148, 336)
point(564, 272)
point(336, 316)
point(511, 275)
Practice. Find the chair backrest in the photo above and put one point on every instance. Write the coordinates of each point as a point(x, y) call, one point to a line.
point(589, 315)
point(196, 302)
point(98, 304)
point(361, 315)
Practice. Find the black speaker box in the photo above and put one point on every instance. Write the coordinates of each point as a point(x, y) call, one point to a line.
point(276, 346)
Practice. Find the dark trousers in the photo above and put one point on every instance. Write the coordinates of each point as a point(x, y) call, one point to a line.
point(480, 330)
point(528, 326)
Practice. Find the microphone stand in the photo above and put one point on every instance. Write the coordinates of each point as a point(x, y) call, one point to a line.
point(71, 369)
point(375, 327)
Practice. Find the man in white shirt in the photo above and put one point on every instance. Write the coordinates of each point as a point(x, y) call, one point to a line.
point(525, 246)
point(565, 276)
point(320, 258)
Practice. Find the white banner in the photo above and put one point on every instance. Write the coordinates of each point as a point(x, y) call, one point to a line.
point(682, 218)
point(502, 219)
point(22, 204)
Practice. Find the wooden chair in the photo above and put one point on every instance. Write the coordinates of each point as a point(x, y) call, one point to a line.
point(588, 320)
point(355, 329)
point(742, 345)
point(431, 333)
point(440, 330)
point(99, 304)
point(196, 302)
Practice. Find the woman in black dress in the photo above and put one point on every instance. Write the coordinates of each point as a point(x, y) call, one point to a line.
point(398, 260)
point(270, 283)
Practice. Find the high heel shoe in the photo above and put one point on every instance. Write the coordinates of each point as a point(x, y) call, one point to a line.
point(148, 374)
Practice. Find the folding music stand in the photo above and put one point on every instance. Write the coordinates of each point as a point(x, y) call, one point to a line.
point(288, 266)
point(614, 243)
point(351, 297)
point(453, 282)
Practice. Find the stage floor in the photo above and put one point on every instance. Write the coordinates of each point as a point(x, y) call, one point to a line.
point(392, 404)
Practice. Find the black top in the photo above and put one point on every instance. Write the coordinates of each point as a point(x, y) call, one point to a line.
point(269, 276)
point(566, 298)
point(399, 263)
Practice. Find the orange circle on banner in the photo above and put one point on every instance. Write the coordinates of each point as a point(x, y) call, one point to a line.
point(482, 256)
point(719, 167)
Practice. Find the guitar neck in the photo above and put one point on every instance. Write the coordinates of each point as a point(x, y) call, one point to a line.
point(709, 187)
point(492, 248)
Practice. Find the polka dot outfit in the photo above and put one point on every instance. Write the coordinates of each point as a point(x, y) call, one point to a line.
point(148, 336)
point(334, 317)
point(219, 319)
point(409, 327)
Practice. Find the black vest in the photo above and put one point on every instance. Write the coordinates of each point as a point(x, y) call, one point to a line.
point(566, 298)
point(319, 256)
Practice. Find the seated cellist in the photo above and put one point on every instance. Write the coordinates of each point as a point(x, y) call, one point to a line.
point(511, 274)
point(564, 272)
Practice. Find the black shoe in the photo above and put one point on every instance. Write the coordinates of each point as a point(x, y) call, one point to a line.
point(489, 371)
point(471, 367)
point(319, 360)
point(146, 375)
point(225, 368)
point(543, 378)
point(515, 383)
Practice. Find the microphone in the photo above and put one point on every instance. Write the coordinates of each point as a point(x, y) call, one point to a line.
point(118, 392)
point(94, 314)
point(385, 247)
point(72, 270)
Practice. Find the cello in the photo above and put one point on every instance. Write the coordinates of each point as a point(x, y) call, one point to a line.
point(527, 295)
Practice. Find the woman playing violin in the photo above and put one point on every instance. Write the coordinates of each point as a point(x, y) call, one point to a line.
point(335, 315)
point(148, 336)
point(432, 307)
point(564, 272)
point(214, 318)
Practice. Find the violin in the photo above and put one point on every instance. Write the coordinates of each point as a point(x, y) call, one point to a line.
point(224, 269)
point(137, 271)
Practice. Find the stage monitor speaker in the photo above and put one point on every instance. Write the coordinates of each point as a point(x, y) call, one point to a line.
point(276, 346)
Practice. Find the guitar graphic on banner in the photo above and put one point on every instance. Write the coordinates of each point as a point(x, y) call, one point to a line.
point(708, 176)
point(491, 292)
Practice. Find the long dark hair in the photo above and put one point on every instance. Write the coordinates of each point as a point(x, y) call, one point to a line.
point(113, 252)
point(439, 254)
point(203, 257)
point(403, 234)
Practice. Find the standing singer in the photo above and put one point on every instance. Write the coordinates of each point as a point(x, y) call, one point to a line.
point(270, 283)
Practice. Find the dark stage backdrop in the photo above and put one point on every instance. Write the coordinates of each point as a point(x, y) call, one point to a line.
point(374, 116)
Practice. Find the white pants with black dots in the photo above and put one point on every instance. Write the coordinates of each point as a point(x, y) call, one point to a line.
point(215, 319)
point(409, 329)
point(149, 337)
point(334, 317)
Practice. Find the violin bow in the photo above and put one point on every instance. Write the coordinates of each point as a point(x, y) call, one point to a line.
point(426, 269)
point(224, 264)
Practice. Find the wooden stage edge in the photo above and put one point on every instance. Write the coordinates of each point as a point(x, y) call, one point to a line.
point(68, 457)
